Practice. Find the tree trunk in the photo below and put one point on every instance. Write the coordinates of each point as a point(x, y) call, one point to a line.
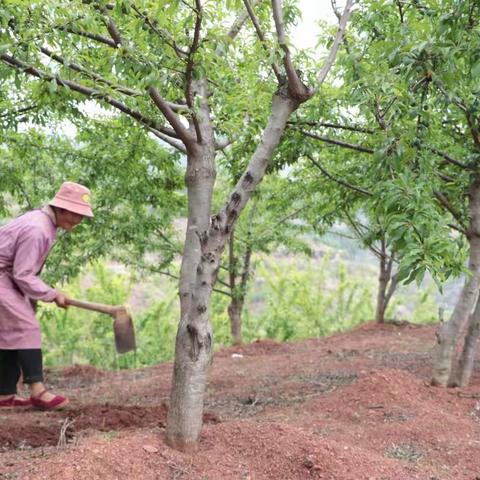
point(239, 293)
point(236, 304)
point(194, 340)
point(205, 241)
point(235, 314)
point(448, 332)
point(467, 359)
point(387, 283)
point(383, 279)
point(193, 346)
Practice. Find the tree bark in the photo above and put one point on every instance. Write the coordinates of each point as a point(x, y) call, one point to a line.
point(194, 338)
point(236, 304)
point(380, 310)
point(235, 314)
point(467, 358)
point(205, 241)
point(448, 332)
point(235, 308)
point(239, 291)
point(387, 283)
point(383, 279)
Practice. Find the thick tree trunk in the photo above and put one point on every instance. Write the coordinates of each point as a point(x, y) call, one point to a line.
point(194, 339)
point(467, 359)
point(205, 242)
point(192, 348)
point(448, 332)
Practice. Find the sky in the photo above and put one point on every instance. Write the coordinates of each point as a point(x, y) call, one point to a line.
point(305, 34)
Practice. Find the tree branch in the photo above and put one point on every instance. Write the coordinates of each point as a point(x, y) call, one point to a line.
point(84, 90)
point(400, 11)
point(448, 206)
point(167, 274)
point(189, 69)
point(339, 234)
point(445, 178)
point(295, 85)
point(92, 36)
point(293, 124)
point(240, 20)
point(450, 97)
point(392, 287)
point(109, 23)
point(339, 143)
point(246, 270)
point(458, 229)
point(19, 111)
point(289, 216)
point(451, 160)
point(178, 107)
point(473, 125)
point(222, 282)
point(336, 180)
point(228, 294)
point(77, 68)
point(112, 29)
point(177, 145)
point(163, 34)
point(342, 25)
point(351, 128)
point(232, 262)
point(261, 36)
point(223, 143)
point(266, 231)
point(360, 235)
point(172, 118)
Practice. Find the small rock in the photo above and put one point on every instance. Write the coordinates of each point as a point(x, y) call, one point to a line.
point(308, 463)
point(150, 449)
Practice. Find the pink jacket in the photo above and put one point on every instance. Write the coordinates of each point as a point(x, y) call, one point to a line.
point(24, 245)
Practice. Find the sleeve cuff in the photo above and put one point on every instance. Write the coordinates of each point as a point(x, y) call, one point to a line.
point(50, 296)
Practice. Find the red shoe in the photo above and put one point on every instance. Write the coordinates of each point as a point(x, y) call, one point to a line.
point(15, 401)
point(56, 403)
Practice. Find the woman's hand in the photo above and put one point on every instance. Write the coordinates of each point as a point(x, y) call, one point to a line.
point(61, 300)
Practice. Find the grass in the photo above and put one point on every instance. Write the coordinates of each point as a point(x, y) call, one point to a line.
point(286, 301)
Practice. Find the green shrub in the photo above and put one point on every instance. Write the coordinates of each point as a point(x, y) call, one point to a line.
point(287, 300)
point(312, 302)
point(79, 336)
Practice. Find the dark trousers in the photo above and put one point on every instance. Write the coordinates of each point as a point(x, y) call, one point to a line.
point(14, 362)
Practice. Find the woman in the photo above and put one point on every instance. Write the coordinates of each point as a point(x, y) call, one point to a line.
point(24, 245)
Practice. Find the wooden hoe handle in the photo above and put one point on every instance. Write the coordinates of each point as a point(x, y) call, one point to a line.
point(96, 307)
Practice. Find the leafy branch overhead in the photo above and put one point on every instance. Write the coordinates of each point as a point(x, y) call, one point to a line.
point(132, 59)
point(184, 76)
point(402, 126)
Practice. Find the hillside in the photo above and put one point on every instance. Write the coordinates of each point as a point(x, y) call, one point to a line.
point(352, 406)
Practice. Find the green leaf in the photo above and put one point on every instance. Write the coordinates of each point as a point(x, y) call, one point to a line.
point(475, 72)
point(52, 86)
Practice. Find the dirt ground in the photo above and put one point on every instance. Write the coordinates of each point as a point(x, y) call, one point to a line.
point(353, 406)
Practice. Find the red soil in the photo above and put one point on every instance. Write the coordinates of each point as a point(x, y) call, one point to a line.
point(353, 406)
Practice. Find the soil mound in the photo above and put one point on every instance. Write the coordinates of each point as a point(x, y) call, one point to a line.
point(353, 406)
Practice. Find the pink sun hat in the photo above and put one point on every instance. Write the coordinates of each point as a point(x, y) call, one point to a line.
point(73, 197)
